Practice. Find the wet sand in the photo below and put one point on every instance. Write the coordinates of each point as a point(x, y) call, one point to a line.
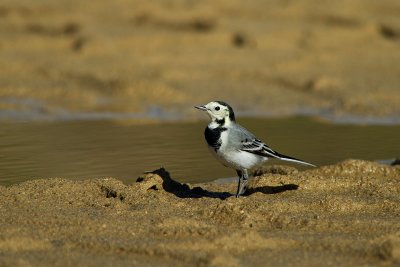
point(139, 59)
point(341, 215)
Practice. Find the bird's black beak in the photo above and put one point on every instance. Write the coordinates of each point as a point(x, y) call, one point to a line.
point(203, 108)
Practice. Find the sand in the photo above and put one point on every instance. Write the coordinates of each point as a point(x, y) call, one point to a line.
point(156, 59)
point(341, 215)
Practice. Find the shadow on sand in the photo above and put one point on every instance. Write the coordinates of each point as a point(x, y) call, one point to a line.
point(184, 191)
point(272, 189)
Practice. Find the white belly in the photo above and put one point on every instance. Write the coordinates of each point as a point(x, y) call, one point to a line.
point(238, 160)
point(234, 158)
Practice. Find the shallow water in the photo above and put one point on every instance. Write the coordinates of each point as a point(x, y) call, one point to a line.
point(93, 149)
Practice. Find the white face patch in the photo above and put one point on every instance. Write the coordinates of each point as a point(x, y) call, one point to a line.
point(217, 111)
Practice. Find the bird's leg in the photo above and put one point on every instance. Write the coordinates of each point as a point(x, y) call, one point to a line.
point(243, 180)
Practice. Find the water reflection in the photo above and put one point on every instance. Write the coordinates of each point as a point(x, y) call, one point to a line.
point(92, 149)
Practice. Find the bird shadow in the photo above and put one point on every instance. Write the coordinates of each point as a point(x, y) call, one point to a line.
point(184, 191)
point(268, 190)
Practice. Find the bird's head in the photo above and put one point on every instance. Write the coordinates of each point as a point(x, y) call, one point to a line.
point(219, 112)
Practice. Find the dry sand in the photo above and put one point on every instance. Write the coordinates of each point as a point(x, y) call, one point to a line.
point(341, 215)
point(159, 58)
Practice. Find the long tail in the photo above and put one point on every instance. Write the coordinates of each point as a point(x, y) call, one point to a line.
point(259, 148)
point(291, 159)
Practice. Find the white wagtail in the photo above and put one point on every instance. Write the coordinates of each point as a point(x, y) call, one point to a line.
point(234, 145)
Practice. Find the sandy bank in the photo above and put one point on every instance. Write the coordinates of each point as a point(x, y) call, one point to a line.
point(134, 59)
point(346, 214)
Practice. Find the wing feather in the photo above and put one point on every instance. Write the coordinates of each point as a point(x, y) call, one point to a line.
point(246, 141)
point(256, 146)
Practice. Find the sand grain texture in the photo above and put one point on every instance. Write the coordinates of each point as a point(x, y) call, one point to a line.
point(341, 215)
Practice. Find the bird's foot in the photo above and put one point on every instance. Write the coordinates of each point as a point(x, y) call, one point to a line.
point(242, 187)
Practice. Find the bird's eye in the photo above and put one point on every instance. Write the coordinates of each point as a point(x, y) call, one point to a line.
point(217, 108)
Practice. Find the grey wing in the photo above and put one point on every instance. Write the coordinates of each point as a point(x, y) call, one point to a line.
point(256, 146)
point(246, 141)
point(249, 143)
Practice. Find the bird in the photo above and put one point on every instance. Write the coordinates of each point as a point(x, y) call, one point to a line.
point(235, 146)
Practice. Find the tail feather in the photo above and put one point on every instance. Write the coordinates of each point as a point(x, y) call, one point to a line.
point(291, 159)
point(265, 151)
